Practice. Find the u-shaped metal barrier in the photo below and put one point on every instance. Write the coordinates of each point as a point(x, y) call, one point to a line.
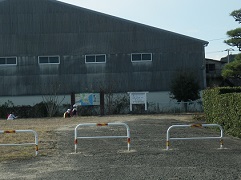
point(22, 144)
point(102, 137)
point(194, 138)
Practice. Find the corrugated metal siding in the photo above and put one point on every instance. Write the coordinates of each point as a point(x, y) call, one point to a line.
point(32, 28)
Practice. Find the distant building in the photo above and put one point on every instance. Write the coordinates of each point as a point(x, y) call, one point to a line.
point(214, 67)
point(213, 72)
point(52, 47)
point(228, 59)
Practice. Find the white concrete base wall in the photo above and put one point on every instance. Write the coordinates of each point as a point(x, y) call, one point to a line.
point(157, 101)
point(29, 100)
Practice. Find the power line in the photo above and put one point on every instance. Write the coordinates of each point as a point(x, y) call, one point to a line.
point(213, 52)
point(217, 39)
point(219, 51)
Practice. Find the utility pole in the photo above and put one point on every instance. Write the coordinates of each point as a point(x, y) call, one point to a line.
point(230, 49)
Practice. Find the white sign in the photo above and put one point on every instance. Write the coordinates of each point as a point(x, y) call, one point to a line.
point(138, 98)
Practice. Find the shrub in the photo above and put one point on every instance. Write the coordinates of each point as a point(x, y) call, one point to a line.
point(223, 106)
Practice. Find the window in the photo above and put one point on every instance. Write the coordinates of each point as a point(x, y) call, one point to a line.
point(138, 57)
point(210, 67)
point(48, 60)
point(8, 60)
point(97, 58)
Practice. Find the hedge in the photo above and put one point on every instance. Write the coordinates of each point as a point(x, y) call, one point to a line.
point(37, 111)
point(223, 106)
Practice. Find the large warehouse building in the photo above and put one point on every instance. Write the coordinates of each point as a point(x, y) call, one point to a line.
point(47, 44)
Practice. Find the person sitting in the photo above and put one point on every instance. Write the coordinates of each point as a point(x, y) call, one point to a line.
point(67, 113)
point(74, 111)
point(11, 116)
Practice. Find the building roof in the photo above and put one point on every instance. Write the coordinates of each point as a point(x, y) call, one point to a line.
point(34, 6)
point(128, 21)
point(229, 57)
point(214, 61)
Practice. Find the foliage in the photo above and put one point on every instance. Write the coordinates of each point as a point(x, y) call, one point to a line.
point(138, 109)
point(185, 87)
point(233, 69)
point(235, 34)
point(119, 104)
point(39, 110)
point(6, 108)
point(88, 110)
point(237, 15)
point(223, 106)
point(52, 101)
point(36, 111)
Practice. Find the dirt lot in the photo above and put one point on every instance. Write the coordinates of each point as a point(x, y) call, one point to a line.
point(109, 159)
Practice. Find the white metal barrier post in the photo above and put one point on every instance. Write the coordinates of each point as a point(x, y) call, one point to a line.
point(22, 144)
point(194, 138)
point(101, 137)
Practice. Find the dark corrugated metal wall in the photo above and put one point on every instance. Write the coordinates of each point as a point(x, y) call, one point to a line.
point(32, 28)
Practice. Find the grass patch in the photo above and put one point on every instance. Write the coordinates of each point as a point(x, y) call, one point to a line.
point(47, 138)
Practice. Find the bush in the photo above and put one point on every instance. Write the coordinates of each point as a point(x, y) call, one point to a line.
point(88, 110)
point(6, 108)
point(23, 111)
point(223, 106)
point(37, 111)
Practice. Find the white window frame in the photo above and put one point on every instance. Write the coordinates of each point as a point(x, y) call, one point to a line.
point(8, 57)
point(95, 55)
point(48, 59)
point(141, 60)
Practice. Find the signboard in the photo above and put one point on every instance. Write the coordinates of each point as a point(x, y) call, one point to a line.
point(87, 99)
point(138, 98)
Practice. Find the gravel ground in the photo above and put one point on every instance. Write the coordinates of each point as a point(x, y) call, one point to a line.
point(108, 159)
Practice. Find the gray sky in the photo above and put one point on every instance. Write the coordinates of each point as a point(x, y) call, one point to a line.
point(208, 20)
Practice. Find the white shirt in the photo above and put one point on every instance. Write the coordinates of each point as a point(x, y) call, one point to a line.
point(11, 117)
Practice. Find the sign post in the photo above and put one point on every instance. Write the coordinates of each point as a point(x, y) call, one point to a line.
point(138, 98)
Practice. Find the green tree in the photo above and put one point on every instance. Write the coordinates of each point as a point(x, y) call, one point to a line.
point(233, 69)
point(185, 87)
point(235, 34)
point(237, 15)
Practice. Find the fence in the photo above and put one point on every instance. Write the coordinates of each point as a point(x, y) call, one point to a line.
point(175, 107)
point(22, 144)
point(194, 138)
point(101, 137)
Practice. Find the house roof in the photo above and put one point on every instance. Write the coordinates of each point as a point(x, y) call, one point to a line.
point(214, 61)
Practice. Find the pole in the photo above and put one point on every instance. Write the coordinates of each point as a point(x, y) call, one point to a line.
point(229, 53)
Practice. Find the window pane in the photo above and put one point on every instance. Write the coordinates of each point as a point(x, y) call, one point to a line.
point(2, 60)
point(90, 58)
point(11, 60)
point(100, 58)
point(54, 60)
point(146, 57)
point(136, 57)
point(43, 59)
point(211, 67)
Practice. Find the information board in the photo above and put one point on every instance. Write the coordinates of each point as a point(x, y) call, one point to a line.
point(87, 99)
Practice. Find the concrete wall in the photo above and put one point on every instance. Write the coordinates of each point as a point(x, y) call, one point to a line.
point(158, 102)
